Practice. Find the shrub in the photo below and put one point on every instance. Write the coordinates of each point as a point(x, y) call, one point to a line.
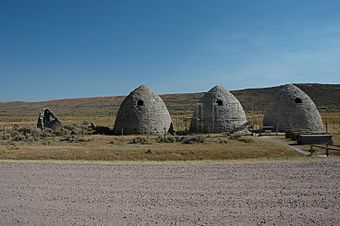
point(102, 130)
point(46, 142)
point(86, 123)
point(31, 139)
point(194, 140)
point(246, 139)
point(73, 138)
point(235, 136)
point(70, 133)
point(19, 137)
point(47, 132)
point(139, 140)
point(223, 141)
point(166, 139)
point(182, 131)
point(61, 132)
point(35, 132)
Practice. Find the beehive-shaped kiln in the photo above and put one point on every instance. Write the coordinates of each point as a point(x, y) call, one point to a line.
point(218, 111)
point(293, 109)
point(142, 112)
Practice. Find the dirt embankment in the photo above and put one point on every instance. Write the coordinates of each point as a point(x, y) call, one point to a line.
point(279, 193)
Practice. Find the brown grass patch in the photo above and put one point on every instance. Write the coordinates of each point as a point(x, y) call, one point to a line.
point(109, 148)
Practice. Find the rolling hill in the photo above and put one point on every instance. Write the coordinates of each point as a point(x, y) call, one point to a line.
point(325, 96)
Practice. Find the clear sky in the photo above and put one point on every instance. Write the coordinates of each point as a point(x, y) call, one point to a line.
point(52, 49)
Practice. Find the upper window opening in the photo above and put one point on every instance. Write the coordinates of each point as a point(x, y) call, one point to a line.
point(219, 102)
point(298, 100)
point(140, 103)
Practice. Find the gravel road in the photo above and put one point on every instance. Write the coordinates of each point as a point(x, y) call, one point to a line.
point(241, 193)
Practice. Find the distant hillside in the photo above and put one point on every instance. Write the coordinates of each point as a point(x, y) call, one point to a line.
point(325, 96)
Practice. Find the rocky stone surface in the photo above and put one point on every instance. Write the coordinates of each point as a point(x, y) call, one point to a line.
point(277, 193)
point(142, 112)
point(218, 111)
point(47, 119)
point(293, 109)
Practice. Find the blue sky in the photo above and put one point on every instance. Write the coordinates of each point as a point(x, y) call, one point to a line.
point(52, 49)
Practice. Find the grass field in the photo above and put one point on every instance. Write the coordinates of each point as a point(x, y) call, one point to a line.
point(109, 148)
point(116, 148)
point(181, 122)
point(102, 111)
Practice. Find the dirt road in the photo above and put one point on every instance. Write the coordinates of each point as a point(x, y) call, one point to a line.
point(279, 193)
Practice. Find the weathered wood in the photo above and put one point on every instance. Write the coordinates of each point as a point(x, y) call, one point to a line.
point(292, 134)
point(327, 148)
point(267, 132)
point(267, 127)
point(314, 139)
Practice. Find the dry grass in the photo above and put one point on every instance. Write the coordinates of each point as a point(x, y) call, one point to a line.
point(109, 148)
point(333, 122)
point(182, 122)
point(102, 110)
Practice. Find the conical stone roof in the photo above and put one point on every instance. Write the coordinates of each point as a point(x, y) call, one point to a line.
point(218, 111)
point(293, 109)
point(142, 112)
